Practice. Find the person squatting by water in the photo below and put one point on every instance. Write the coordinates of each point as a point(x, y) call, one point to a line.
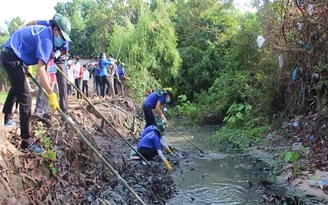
point(32, 45)
point(60, 50)
point(152, 141)
point(155, 100)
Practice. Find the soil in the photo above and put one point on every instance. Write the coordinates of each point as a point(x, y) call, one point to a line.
point(70, 173)
point(305, 136)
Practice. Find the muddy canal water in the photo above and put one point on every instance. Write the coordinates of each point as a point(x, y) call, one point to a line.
point(216, 177)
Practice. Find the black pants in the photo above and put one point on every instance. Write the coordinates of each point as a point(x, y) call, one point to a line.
point(77, 84)
point(104, 82)
point(10, 101)
point(118, 84)
point(15, 70)
point(149, 116)
point(85, 87)
point(62, 85)
point(98, 84)
point(148, 153)
point(69, 89)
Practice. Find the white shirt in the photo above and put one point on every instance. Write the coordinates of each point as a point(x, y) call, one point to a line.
point(86, 75)
point(77, 69)
point(70, 75)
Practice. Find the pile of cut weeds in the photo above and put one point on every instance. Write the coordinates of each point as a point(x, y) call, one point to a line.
point(70, 173)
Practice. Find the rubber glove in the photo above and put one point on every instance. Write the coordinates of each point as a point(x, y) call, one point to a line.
point(28, 71)
point(167, 164)
point(168, 150)
point(53, 102)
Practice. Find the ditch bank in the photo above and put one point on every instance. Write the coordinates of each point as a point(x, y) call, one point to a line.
point(296, 155)
point(70, 173)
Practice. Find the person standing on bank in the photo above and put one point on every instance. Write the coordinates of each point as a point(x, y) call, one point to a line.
point(104, 76)
point(86, 77)
point(77, 76)
point(32, 45)
point(60, 58)
point(155, 100)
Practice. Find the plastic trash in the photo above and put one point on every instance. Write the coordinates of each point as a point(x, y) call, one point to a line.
point(310, 9)
point(260, 41)
point(295, 124)
point(311, 137)
point(323, 184)
point(270, 136)
point(297, 146)
point(281, 61)
point(311, 182)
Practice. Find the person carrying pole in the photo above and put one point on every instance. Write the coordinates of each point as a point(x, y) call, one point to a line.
point(155, 100)
point(32, 45)
point(60, 58)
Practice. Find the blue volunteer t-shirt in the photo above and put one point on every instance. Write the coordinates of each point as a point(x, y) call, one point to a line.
point(152, 99)
point(97, 71)
point(32, 43)
point(150, 139)
point(65, 46)
point(120, 72)
point(103, 67)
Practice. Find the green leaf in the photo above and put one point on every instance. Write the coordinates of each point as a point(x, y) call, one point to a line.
point(291, 157)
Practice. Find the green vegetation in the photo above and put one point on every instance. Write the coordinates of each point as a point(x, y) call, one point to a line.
point(3, 96)
point(207, 52)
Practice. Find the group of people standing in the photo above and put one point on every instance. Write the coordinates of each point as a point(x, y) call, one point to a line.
point(109, 75)
point(46, 44)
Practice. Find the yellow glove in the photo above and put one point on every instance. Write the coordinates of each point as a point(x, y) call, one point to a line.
point(53, 102)
point(168, 150)
point(168, 165)
point(28, 71)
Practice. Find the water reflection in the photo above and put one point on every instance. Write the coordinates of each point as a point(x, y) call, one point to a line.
point(216, 178)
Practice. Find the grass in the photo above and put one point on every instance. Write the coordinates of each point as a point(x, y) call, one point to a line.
point(3, 96)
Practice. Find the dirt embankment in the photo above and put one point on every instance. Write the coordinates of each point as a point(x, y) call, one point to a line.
point(297, 153)
point(70, 173)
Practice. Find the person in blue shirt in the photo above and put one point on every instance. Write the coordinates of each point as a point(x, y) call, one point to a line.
point(27, 46)
point(119, 76)
point(60, 60)
point(155, 100)
point(151, 143)
point(103, 65)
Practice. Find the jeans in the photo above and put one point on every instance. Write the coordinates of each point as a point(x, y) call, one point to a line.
point(77, 84)
point(15, 69)
point(85, 87)
point(104, 81)
point(118, 84)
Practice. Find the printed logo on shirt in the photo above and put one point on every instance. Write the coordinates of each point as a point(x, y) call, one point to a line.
point(150, 135)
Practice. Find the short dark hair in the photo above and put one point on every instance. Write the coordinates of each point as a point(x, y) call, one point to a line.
point(169, 92)
point(111, 55)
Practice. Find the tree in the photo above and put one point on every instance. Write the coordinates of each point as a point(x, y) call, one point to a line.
point(14, 24)
point(204, 28)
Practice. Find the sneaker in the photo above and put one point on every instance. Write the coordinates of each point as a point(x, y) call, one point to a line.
point(36, 148)
point(10, 123)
